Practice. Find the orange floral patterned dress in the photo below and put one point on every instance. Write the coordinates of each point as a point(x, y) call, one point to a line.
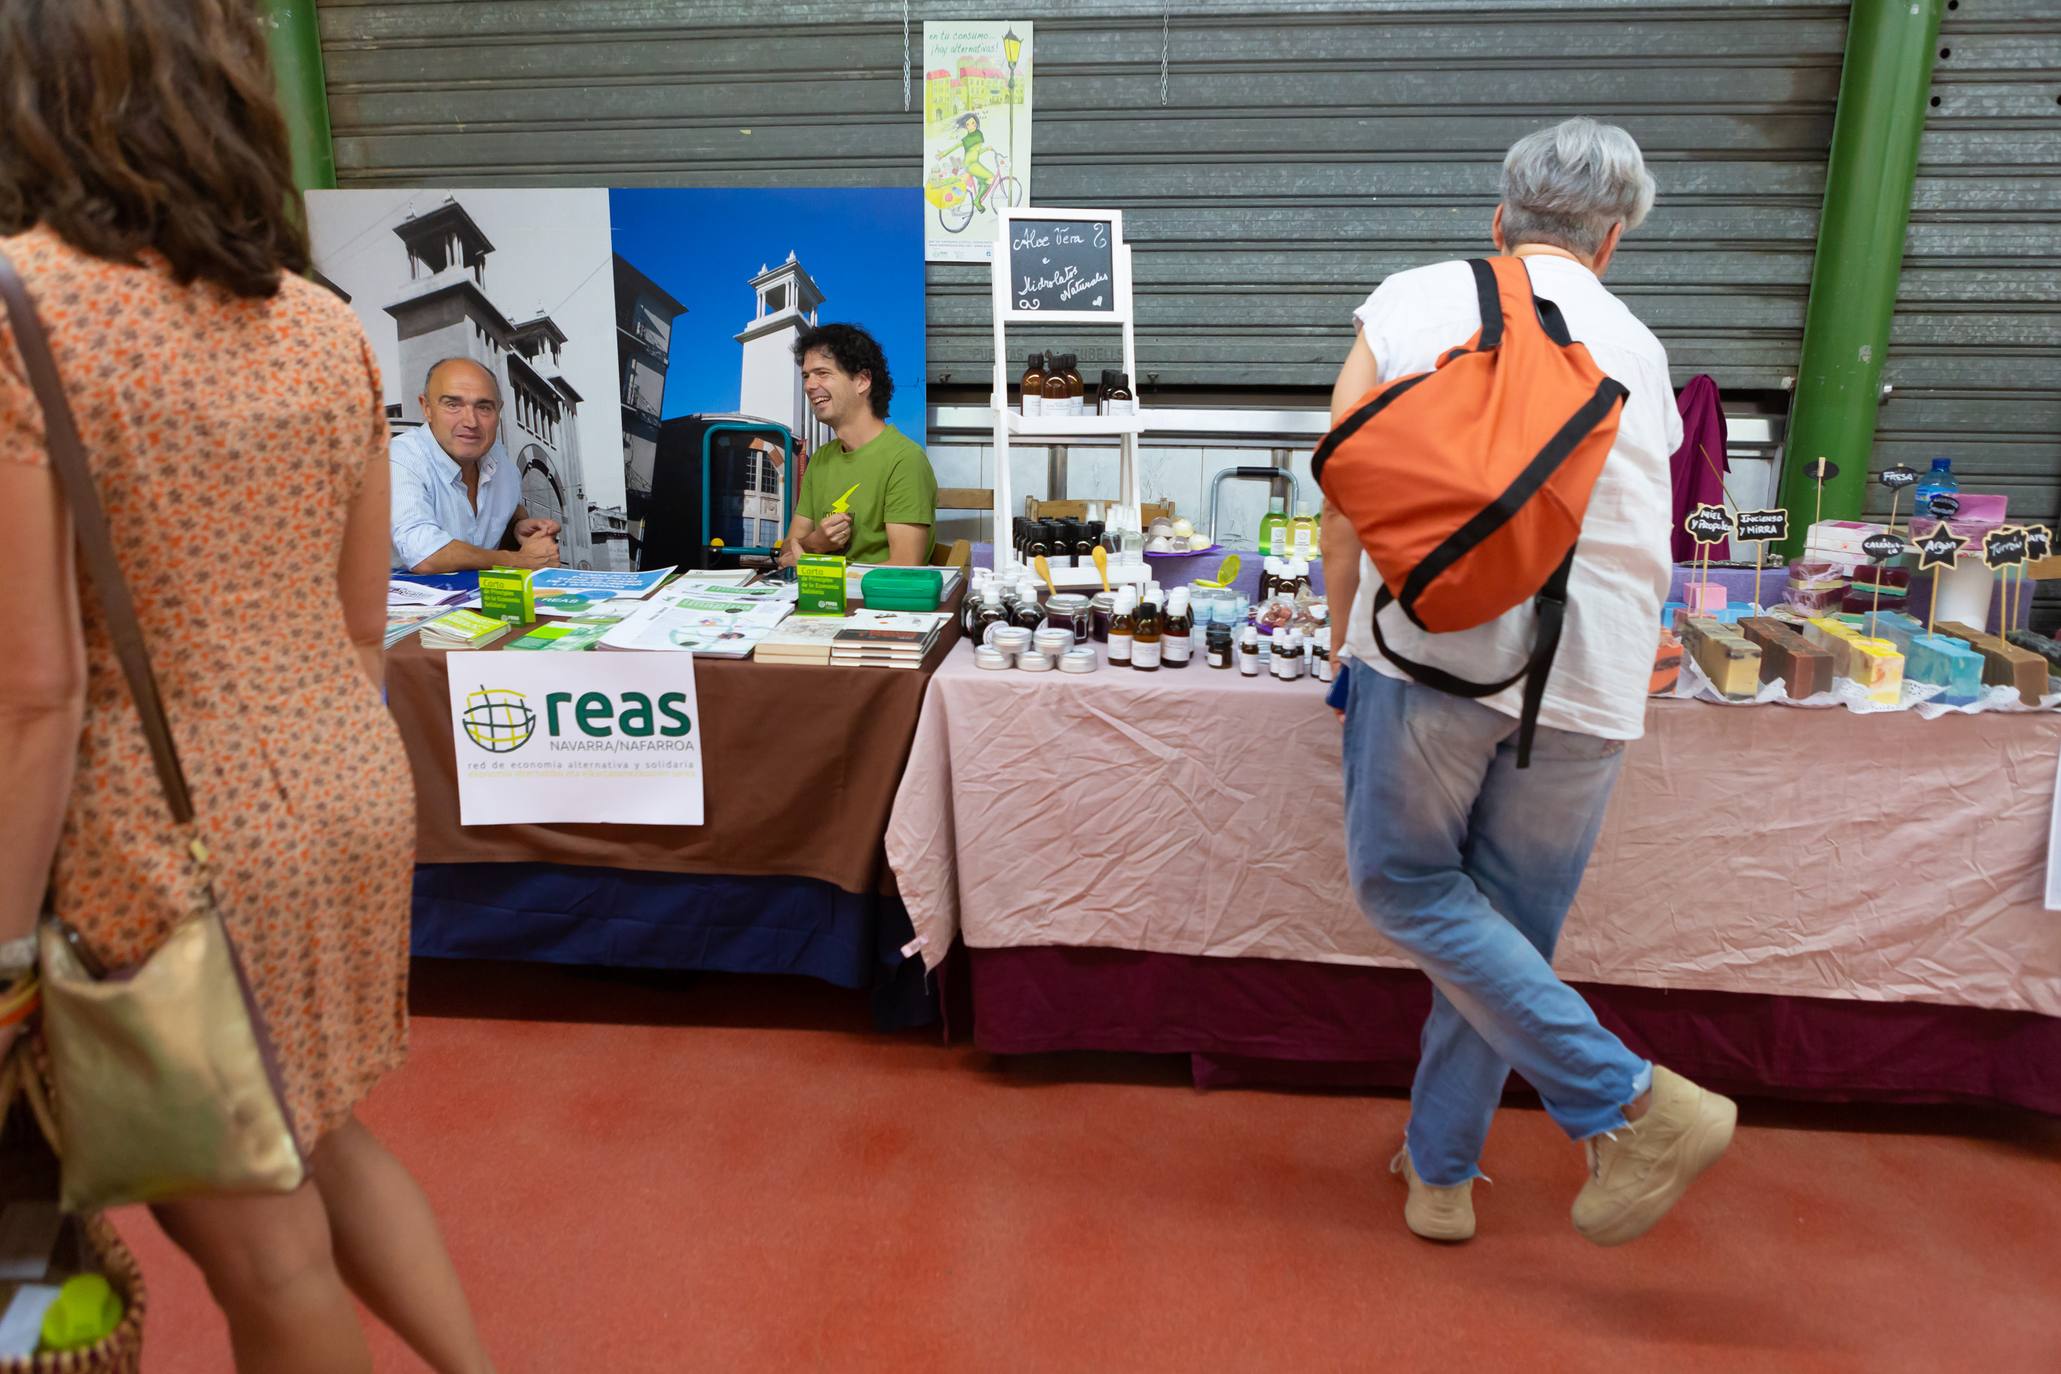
point(227, 438)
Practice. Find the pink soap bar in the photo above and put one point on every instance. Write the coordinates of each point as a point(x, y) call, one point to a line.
point(1703, 597)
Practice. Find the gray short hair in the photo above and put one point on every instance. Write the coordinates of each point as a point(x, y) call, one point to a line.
point(431, 375)
point(1568, 184)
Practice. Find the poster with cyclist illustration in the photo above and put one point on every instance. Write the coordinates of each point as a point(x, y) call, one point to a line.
point(976, 134)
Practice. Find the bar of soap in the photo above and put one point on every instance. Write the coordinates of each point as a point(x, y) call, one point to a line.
point(1667, 666)
point(1862, 600)
point(1879, 669)
point(1884, 575)
point(1804, 668)
point(1947, 662)
point(1835, 638)
point(1815, 599)
point(1726, 657)
point(1896, 627)
point(1703, 598)
point(2003, 664)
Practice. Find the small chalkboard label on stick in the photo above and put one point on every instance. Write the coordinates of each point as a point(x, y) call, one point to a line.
point(1898, 477)
point(1945, 505)
point(2004, 548)
point(1762, 526)
point(1883, 547)
point(1707, 524)
point(1823, 470)
point(2039, 543)
point(1940, 549)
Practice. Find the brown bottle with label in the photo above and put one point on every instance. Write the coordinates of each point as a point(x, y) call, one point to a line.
point(1033, 385)
point(1123, 626)
point(1177, 645)
point(1055, 400)
point(1146, 643)
point(1076, 390)
point(1119, 400)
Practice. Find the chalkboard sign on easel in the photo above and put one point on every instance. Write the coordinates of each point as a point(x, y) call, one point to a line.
point(1066, 265)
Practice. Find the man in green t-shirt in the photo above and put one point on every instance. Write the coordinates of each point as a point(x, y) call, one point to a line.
point(869, 494)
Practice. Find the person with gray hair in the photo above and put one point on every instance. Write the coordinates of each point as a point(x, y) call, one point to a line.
point(457, 496)
point(1464, 860)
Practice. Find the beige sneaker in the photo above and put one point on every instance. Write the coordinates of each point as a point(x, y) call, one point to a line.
point(1445, 1214)
point(1639, 1171)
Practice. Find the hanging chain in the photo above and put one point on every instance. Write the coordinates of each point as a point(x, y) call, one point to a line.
point(1166, 24)
point(905, 56)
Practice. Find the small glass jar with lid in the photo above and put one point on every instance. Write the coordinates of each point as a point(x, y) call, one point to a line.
point(1074, 612)
point(1101, 607)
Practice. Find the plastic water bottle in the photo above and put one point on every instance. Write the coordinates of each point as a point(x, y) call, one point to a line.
point(1939, 480)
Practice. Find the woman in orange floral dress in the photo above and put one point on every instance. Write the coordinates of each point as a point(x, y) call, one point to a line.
point(234, 421)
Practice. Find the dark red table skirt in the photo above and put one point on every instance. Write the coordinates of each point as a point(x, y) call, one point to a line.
point(1273, 1021)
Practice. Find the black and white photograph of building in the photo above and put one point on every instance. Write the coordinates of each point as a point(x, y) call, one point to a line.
point(522, 282)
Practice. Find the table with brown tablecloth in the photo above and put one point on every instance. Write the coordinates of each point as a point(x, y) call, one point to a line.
point(1157, 862)
point(801, 763)
point(787, 874)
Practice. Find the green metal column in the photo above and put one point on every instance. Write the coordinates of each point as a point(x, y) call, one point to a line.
point(1883, 88)
point(296, 45)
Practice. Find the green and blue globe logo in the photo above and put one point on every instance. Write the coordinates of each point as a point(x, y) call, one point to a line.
point(497, 720)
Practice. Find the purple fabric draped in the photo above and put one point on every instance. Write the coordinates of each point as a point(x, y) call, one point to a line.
point(1703, 431)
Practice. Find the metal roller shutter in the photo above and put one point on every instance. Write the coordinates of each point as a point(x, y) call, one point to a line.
point(1305, 150)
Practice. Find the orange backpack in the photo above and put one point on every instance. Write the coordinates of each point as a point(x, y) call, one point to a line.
point(1468, 484)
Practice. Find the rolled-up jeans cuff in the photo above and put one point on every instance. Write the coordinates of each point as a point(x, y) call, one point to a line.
point(1642, 1083)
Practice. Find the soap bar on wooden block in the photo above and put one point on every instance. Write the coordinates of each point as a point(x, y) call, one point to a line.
point(2003, 665)
point(1947, 662)
point(1878, 668)
point(1730, 662)
point(1804, 668)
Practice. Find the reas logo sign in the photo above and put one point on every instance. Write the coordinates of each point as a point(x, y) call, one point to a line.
point(501, 721)
point(631, 714)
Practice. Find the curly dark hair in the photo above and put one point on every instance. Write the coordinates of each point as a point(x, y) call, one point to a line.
point(854, 351)
point(149, 124)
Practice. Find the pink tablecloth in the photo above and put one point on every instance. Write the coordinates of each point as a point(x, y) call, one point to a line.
point(1763, 850)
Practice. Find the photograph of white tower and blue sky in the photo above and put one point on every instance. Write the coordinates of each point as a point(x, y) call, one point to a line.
point(843, 255)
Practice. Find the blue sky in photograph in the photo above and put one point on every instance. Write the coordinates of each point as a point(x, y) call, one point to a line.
point(863, 247)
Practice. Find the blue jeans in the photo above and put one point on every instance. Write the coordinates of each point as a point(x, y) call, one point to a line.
point(1469, 865)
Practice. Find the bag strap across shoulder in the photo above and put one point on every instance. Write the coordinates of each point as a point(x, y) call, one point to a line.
point(68, 459)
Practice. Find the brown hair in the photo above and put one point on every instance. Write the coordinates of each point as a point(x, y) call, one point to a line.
point(149, 124)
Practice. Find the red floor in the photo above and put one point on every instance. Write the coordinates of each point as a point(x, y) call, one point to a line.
point(736, 1174)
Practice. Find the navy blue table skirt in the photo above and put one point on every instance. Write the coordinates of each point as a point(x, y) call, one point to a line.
point(623, 918)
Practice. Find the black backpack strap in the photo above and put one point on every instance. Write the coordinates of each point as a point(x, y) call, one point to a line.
point(1490, 297)
point(1551, 604)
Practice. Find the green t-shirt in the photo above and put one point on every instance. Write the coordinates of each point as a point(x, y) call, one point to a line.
point(890, 483)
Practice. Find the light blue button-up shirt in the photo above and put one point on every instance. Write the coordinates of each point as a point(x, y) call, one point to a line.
point(430, 506)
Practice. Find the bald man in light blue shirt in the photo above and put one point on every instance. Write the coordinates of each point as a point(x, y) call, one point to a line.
point(457, 497)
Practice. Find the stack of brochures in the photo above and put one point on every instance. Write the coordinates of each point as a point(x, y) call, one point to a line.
point(887, 639)
point(402, 621)
point(875, 639)
point(802, 639)
point(462, 630)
